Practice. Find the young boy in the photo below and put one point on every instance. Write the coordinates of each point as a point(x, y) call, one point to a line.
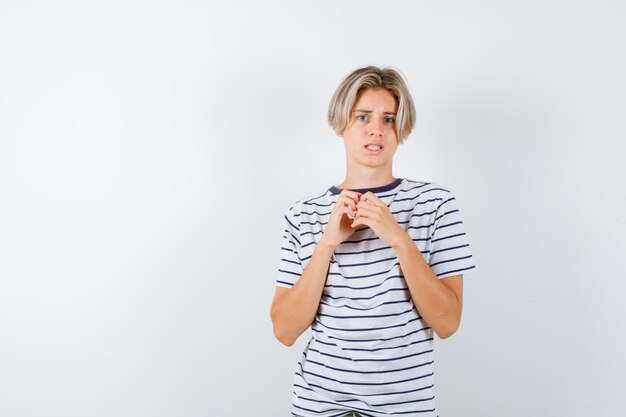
point(374, 265)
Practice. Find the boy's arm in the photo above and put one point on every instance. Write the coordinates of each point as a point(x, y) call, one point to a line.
point(294, 309)
point(439, 301)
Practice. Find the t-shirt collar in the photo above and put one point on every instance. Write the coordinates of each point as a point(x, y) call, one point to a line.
point(334, 190)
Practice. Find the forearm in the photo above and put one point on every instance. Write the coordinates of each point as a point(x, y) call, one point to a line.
point(435, 302)
point(295, 310)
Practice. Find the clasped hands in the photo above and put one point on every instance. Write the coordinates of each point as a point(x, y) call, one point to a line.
point(371, 211)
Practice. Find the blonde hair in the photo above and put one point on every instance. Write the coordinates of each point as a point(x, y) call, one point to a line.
point(343, 100)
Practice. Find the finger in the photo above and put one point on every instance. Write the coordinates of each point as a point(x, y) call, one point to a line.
point(372, 198)
point(368, 204)
point(350, 198)
point(349, 212)
point(354, 195)
point(365, 209)
point(347, 202)
point(359, 221)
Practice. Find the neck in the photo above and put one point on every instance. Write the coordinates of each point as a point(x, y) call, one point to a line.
point(371, 179)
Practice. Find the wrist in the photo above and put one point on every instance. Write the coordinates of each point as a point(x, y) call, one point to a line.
point(403, 242)
point(325, 246)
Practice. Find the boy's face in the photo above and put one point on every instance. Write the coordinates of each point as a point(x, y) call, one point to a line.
point(372, 121)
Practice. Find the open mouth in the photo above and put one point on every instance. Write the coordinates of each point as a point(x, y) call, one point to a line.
point(373, 148)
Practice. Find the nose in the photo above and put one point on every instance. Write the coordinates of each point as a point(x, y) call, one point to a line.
point(376, 128)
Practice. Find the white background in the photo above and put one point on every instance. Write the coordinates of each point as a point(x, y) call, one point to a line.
point(148, 151)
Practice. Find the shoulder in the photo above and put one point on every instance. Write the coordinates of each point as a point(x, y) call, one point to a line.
point(426, 189)
point(308, 203)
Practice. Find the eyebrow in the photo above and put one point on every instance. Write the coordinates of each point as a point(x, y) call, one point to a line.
point(369, 111)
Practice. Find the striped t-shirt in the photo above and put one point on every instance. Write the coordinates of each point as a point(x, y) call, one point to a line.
point(370, 351)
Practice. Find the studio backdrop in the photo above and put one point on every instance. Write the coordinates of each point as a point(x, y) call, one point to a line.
point(148, 152)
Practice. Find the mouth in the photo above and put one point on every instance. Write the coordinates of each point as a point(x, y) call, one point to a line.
point(373, 149)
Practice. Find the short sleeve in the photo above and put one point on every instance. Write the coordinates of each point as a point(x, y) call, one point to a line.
point(450, 252)
point(290, 266)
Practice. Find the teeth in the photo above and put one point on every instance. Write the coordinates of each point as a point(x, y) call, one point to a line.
point(373, 147)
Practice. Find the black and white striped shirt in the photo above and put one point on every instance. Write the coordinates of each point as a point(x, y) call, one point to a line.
point(370, 351)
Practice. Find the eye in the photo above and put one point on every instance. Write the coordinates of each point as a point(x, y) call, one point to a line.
point(389, 120)
point(362, 117)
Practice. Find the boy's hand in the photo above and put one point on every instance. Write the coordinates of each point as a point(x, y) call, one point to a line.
point(373, 212)
point(338, 228)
